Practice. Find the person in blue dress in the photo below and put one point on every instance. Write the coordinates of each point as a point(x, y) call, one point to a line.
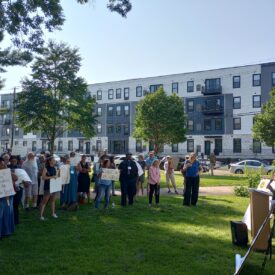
point(192, 168)
point(104, 186)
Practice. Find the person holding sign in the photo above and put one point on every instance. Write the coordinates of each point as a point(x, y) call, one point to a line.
point(154, 181)
point(104, 186)
point(48, 173)
point(83, 177)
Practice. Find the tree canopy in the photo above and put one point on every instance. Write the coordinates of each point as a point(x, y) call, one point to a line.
point(55, 99)
point(160, 119)
point(264, 123)
point(24, 21)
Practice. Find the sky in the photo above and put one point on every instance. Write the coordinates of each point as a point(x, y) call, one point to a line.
point(161, 37)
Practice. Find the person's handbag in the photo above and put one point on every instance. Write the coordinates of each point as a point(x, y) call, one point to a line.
point(239, 233)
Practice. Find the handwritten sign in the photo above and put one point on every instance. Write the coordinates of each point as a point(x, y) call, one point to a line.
point(22, 176)
point(110, 174)
point(6, 186)
point(74, 161)
point(55, 185)
point(65, 174)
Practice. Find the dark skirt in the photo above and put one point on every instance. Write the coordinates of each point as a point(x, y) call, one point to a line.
point(6, 217)
point(83, 183)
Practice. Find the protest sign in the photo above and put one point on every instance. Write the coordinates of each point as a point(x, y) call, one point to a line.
point(22, 176)
point(6, 186)
point(75, 160)
point(65, 173)
point(55, 185)
point(110, 174)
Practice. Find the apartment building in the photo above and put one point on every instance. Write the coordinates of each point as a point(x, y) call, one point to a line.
point(220, 105)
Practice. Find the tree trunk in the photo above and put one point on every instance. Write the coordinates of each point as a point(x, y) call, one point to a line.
point(52, 145)
point(156, 149)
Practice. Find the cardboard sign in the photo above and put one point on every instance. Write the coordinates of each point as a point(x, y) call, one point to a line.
point(74, 161)
point(55, 185)
point(6, 186)
point(22, 176)
point(65, 174)
point(110, 174)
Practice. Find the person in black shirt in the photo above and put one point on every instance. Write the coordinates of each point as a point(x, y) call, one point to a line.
point(128, 178)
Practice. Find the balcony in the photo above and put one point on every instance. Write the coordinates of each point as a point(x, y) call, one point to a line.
point(4, 109)
point(213, 110)
point(212, 90)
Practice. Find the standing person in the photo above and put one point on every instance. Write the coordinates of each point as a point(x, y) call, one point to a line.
point(212, 158)
point(113, 166)
point(48, 173)
point(154, 181)
point(65, 188)
point(40, 166)
point(169, 173)
point(30, 166)
point(104, 185)
point(183, 172)
point(141, 178)
point(83, 178)
point(192, 168)
point(128, 179)
point(96, 167)
point(149, 161)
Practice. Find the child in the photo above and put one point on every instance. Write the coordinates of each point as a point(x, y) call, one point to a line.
point(154, 181)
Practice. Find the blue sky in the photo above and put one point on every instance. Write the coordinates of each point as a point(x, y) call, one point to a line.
point(164, 37)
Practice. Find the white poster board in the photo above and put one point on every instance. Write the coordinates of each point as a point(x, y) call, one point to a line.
point(74, 161)
point(20, 150)
point(55, 185)
point(65, 174)
point(110, 174)
point(6, 186)
point(22, 176)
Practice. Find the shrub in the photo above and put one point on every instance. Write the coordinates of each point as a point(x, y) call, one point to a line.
point(241, 191)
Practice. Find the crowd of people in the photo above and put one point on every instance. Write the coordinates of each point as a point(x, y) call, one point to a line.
point(32, 183)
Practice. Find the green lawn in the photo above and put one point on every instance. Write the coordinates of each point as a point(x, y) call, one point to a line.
point(171, 239)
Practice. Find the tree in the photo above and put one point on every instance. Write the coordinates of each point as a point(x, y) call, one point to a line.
point(56, 100)
point(264, 123)
point(25, 20)
point(160, 119)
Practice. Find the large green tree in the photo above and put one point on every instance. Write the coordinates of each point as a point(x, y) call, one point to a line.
point(160, 119)
point(55, 99)
point(264, 123)
point(24, 22)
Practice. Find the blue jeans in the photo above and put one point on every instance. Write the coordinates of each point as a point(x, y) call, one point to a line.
point(103, 189)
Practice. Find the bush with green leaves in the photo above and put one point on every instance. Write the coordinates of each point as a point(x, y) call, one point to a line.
point(241, 191)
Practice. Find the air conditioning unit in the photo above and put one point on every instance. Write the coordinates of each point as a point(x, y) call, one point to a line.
point(198, 87)
point(202, 89)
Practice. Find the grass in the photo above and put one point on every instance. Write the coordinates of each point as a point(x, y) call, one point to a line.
point(171, 239)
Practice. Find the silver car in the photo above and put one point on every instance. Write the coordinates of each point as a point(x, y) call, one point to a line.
point(250, 165)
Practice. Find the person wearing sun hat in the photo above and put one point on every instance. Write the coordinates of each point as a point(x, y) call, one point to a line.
point(169, 173)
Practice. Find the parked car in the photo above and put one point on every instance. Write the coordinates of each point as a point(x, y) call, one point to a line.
point(119, 158)
point(250, 165)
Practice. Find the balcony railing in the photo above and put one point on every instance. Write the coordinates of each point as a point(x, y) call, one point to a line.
point(212, 110)
point(212, 90)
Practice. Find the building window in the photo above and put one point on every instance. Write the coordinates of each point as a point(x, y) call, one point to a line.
point(99, 111)
point(175, 87)
point(111, 94)
point(16, 131)
point(70, 145)
point(237, 123)
point(153, 88)
point(273, 79)
point(207, 125)
point(190, 145)
point(126, 93)
point(110, 110)
point(257, 146)
point(218, 145)
point(110, 129)
point(8, 132)
point(273, 149)
point(99, 128)
point(190, 105)
point(126, 110)
point(126, 130)
point(213, 84)
point(138, 91)
point(198, 126)
point(81, 145)
point(138, 146)
point(256, 101)
point(190, 125)
point(44, 144)
point(25, 143)
point(190, 86)
point(99, 95)
point(218, 124)
point(256, 80)
point(198, 87)
point(118, 110)
point(98, 145)
point(237, 102)
point(118, 129)
point(237, 145)
point(60, 146)
point(175, 148)
point(118, 93)
point(34, 146)
point(236, 82)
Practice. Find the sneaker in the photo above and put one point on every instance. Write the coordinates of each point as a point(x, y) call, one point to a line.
point(42, 218)
point(169, 191)
point(54, 216)
point(176, 192)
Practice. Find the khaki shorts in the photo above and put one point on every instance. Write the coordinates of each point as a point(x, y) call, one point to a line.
point(31, 190)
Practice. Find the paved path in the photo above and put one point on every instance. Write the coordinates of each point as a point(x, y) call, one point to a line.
point(204, 191)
